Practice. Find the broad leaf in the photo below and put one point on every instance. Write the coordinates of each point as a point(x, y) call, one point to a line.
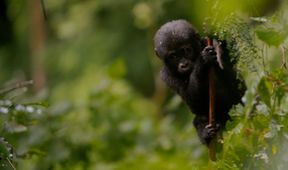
point(271, 37)
point(264, 91)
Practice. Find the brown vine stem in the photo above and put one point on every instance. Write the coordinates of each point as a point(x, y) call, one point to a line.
point(212, 144)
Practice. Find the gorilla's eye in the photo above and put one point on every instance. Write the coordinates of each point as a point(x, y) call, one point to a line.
point(173, 56)
point(187, 50)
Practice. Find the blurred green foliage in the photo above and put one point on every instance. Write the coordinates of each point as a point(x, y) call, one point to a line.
point(103, 106)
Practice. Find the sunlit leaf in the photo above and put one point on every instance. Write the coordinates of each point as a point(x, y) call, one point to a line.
point(274, 149)
point(271, 37)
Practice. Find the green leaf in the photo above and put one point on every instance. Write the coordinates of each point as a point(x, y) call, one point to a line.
point(264, 91)
point(40, 103)
point(280, 93)
point(271, 37)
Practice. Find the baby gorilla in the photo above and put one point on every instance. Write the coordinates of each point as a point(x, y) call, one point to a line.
point(187, 60)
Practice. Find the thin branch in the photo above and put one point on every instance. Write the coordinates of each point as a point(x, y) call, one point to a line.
point(44, 10)
point(16, 86)
point(284, 62)
point(10, 163)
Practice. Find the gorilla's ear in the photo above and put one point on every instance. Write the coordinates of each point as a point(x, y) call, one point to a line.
point(156, 52)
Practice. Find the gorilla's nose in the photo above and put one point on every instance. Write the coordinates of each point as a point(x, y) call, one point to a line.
point(183, 65)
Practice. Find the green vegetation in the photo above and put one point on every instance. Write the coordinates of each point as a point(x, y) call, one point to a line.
point(97, 102)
